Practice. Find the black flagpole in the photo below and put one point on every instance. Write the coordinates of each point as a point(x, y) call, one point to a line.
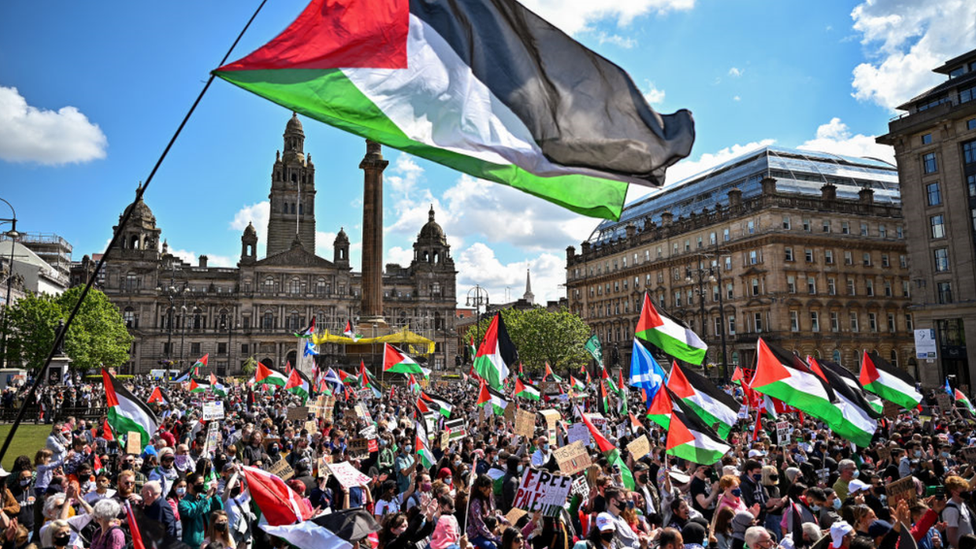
point(59, 336)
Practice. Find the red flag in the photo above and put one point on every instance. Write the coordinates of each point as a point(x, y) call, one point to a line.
point(602, 443)
point(755, 432)
point(156, 396)
point(279, 504)
point(134, 532)
point(213, 380)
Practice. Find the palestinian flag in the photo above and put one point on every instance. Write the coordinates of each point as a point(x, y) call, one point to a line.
point(487, 88)
point(200, 363)
point(216, 386)
point(576, 384)
point(396, 362)
point(737, 375)
point(660, 407)
point(267, 376)
point(127, 413)
point(420, 444)
point(609, 451)
point(495, 354)
point(413, 385)
point(713, 405)
point(526, 390)
point(857, 425)
point(549, 372)
point(349, 379)
point(960, 398)
point(521, 372)
point(604, 400)
point(157, 396)
point(350, 333)
point(279, 504)
point(691, 439)
point(307, 332)
point(621, 393)
point(437, 404)
point(669, 336)
point(298, 384)
point(783, 375)
point(876, 406)
point(888, 382)
point(488, 395)
point(199, 387)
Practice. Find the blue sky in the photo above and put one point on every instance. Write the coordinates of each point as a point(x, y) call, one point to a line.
point(91, 91)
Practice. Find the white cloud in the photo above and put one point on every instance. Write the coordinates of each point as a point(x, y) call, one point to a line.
point(652, 94)
point(258, 214)
point(615, 39)
point(398, 255)
point(404, 174)
point(192, 258)
point(736, 98)
point(29, 134)
point(905, 40)
point(575, 16)
point(478, 264)
point(835, 137)
point(735, 72)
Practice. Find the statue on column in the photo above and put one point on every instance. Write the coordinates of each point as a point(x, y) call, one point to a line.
point(59, 350)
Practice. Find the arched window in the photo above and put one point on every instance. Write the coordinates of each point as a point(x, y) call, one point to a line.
point(320, 287)
point(267, 321)
point(135, 242)
point(131, 282)
point(294, 321)
point(269, 284)
point(816, 353)
point(222, 320)
point(293, 204)
point(837, 356)
point(435, 289)
point(197, 319)
point(735, 357)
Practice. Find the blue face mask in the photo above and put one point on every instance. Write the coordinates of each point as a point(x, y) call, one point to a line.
point(815, 508)
point(856, 473)
point(737, 492)
point(837, 503)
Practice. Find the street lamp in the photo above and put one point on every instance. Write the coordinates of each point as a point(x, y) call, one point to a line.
point(13, 235)
point(714, 275)
point(171, 293)
point(477, 297)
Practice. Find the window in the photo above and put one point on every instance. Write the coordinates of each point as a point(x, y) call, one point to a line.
point(791, 284)
point(845, 227)
point(899, 232)
point(869, 287)
point(755, 286)
point(829, 257)
point(786, 222)
point(906, 289)
point(687, 245)
point(831, 286)
point(728, 263)
point(811, 285)
point(826, 225)
point(909, 324)
point(893, 358)
point(718, 326)
point(807, 225)
point(267, 321)
point(933, 194)
point(887, 288)
point(929, 164)
point(834, 321)
point(699, 242)
point(853, 320)
point(937, 226)
point(885, 262)
point(789, 254)
point(732, 325)
point(851, 288)
point(758, 322)
point(848, 257)
point(712, 239)
point(971, 124)
point(659, 252)
point(891, 322)
point(167, 348)
point(873, 322)
point(941, 260)
point(815, 321)
point(677, 299)
point(808, 255)
point(753, 257)
point(837, 356)
point(882, 231)
point(129, 316)
point(864, 229)
point(927, 139)
point(945, 292)
point(729, 291)
point(222, 348)
point(971, 185)
point(866, 259)
point(195, 349)
point(751, 226)
point(794, 321)
point(969, 152)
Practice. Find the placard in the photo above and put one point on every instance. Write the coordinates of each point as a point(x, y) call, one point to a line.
point(970, 454)
point(782, 432)
point(133, 443)
point(368, 432)
point(578, 432)
point(899, 490)
point(298, 413)
point(312, 426)
point(542, 491)
point(365, 394)
point(456, 428)
point(598, 421)
point(213, 437)
point(891, 410)
point(581, 488)
point(551, 417)
point(884, 452)
point(514, 515)
point(572, 458)
point(358, 448)
point(510, 412)
point(361, 411)
point(347, 475)
point(525, 423)
point(213, 410)
point(481, 415)
point(281, 469)
point(639, 447)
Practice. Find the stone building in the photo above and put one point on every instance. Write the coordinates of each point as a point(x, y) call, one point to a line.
point(805, 249)
point(935, 147)
point(179, 312)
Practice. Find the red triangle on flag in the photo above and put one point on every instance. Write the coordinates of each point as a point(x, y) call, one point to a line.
point(679, 384)
point(156, 396)
point(661, 405)
point(649, 319)
point(869, 372)
point(678, 433)
point(769, 369)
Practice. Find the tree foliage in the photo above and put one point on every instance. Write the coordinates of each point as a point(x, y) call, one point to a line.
point(250, 366)
point(97, 336)
point(542, 336)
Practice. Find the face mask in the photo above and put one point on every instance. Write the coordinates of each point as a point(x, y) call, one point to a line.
point(25, 482)
point(737, 492)
point(606, 536)
point(815, 508)
point(181, 492)
point(520, 468)
point(457, 463)
point(426, 487)
point(407, 449)
point(945, 455)
point(856, 473)
point(757, 477)
point(545, 448)
point(837, 503)
point(61, 540)
point(220, 526)
point(918, 453)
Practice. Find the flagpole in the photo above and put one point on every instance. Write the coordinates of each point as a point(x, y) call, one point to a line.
point(123, 221)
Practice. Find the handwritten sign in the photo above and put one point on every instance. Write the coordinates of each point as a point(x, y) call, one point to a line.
point(899, 490)
point(891, 410)
point(133, 443)
point(514, 515)
point(970, 454)
point(282, 470)
point(524, 423)
point(347, 475)
point(359, 448)
point(581, 488)
point(368, 432)
point(213, 410)
point(884, 452)
point(213, 437)
point(298, 413)
point(551, 417)
point(639, 447)
point(572, 458)
point(944, 401)
point(598, 421)
point(578, 432)
point(542, 491)
point(510, 412)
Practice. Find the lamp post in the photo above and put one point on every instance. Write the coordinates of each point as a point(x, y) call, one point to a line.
point(477, 297)
point(172, 293)
point(712, 274)
point(13, 235)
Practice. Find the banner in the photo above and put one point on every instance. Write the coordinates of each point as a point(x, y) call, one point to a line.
point(593, 347)
point(213, 410)
point(542, 491)
point(347, 475)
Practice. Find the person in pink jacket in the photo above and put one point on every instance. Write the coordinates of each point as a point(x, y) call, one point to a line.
point(447, 533)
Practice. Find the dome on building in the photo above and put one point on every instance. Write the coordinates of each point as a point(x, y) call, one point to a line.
point(432, 231)
point(341, 237)
point(141, 214)
point(250, 230)
point(294, 125)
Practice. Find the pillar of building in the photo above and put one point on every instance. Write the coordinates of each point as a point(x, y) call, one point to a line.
point(371, 310)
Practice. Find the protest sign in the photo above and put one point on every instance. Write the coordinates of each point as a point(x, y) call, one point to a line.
point(298, 413)
point(514, 515)
point(572, 458)
point(598, 421)
point(312, 427)
point(361, 411)
point(368, 432)
point(524, 423)
point(213, 410)
point(578, 432)
point(359, 448)
point(133, 443)
point(969, 453)
point(782, 432)
point(281, 469)
point(347, 475)
point(899, 490)
point(456, 428)
point(510, 412)
point(581, 488)
point(365, 394)
point(891, 410)
point(884, 453)
point(944, 401)
point(213, 434)
point(639, 447)
point(542, 491)
point(551, 417)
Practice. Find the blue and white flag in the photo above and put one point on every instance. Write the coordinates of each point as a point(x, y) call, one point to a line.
point(645, 372)
point(310, 349)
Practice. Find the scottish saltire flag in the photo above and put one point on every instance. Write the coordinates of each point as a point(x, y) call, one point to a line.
point(948, 389)
point(310, 349)
point(645, 372)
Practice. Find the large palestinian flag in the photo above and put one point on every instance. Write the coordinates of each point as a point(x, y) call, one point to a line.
point(857, 424)
point(689, 438)
point(888, 382)
point(396, 361)
point(483, 86)
point(875, 405)
point(126, 413)
point(267, 376)
point(609, 451)
point(669, 336)
point(714, 406)
point(781, 374)
point(495, 354)
point(298, 384)
point(659, 408)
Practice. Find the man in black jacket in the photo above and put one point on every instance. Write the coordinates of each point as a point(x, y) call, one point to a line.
point(510, 483)
point(753, 491)
point(156, 508)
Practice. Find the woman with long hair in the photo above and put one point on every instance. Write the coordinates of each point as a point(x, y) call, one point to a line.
point(480, 507)
point(403, 531)
point(218, 530)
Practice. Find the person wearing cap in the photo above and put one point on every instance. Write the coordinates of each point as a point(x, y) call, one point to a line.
point(165, 473)
point(603, 533)
point(841, 535)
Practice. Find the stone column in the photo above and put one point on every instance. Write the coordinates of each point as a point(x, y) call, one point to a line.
point(372, 286)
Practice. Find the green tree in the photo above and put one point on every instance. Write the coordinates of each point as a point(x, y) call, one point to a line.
point(97, 336)
point(542, 336)
point(250, 366)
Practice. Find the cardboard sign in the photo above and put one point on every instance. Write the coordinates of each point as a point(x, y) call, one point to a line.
point(891, 410)
point(282, 470)
point(884, 453)
point(525, 423)
point(312, 426)
point(542, 491)
point(347, 475)
point(899, 490)
point(970, 454)
point(510, 412)
point(514, 515)
point(133, 443)
point(551, 417)
point(578, 432)
point(359, 448)
point(944, 401)
point(213, 410)
point(598, 421)
point(572, 458)
point(639, 447)
point(213, 438)
point(298, 413)
point(581, 488)
point(481, 414)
